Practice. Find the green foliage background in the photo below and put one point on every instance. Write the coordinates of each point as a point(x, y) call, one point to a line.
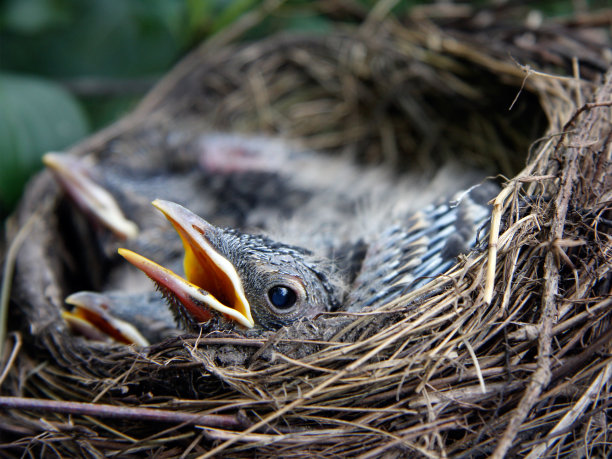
point(70, 67)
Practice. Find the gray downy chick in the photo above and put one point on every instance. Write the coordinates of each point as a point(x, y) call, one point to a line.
point(352, 238)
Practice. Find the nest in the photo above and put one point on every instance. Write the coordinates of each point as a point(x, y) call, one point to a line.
point(508, 353)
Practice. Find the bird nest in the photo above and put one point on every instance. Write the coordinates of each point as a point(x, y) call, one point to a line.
point(508, 352)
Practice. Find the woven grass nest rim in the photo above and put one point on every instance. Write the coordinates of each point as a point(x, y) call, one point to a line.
point(444, 356)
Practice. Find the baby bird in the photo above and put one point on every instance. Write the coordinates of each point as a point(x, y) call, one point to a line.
point(354, 238)
point(247, 278)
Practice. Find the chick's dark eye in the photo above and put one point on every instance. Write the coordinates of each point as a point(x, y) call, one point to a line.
point(282, 297)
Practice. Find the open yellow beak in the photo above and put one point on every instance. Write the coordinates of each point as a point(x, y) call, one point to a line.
point(211, 282)
point(90, 318)
point(93, 199)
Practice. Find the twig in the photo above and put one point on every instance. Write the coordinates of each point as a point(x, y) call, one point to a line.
point(542, 376)
point(496, 215)
point(467, 344)
point(9, 268)
point(11, 360)
point(121, 412)
point(590, 396)
point(310, 394)
point(574, 363)
point(576, 70)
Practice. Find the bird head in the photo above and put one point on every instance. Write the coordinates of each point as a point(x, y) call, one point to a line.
point(250, 280)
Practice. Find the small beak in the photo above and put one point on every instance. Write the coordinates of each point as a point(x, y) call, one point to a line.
point(90, 317)
point(72, 175)
point(211, 284)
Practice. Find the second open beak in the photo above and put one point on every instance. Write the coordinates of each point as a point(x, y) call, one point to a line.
point(72, 174)
point(211, 284)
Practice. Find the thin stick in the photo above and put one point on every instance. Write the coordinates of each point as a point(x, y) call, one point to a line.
point(576, 70)
point(542, 376)
point(496, 215)
point(476, 364)
point(11, 360)
point(120, 412)
point(9, 268)
point(310, 394)
point(590, 396)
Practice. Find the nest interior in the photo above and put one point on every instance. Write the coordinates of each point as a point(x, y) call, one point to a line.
point(510, 357)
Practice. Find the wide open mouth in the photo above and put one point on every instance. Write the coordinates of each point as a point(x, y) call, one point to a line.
point(91, 318)
point(211, 283)
point(71, 172)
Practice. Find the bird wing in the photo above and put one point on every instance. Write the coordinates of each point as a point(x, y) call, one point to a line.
point(412, 251)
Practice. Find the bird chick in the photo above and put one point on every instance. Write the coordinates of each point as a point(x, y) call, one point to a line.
point(351, 237)
point(249, 279)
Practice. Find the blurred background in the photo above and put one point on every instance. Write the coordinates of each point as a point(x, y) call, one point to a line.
point(71, 67)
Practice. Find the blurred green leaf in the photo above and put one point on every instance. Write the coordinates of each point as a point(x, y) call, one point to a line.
point(32, 16)
point(230, 12)
point(199, 17)
point(103, 111)
point(99, 37)
point(36, 116)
